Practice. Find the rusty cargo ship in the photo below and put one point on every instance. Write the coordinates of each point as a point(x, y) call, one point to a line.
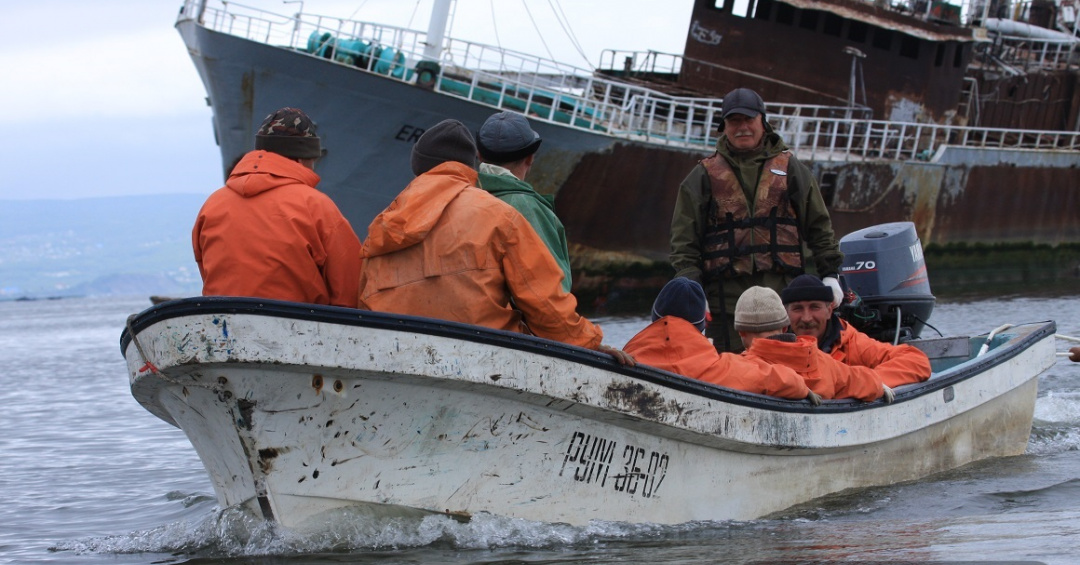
point(963, 118)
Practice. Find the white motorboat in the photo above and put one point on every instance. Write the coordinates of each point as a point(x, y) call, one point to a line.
point(298, 411)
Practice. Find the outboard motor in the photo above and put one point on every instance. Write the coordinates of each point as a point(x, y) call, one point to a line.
point(887, 292)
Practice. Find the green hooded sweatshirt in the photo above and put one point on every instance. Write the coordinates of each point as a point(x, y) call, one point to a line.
point(538, 209)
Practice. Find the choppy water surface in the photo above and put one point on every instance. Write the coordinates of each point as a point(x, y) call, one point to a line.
point(88, 476)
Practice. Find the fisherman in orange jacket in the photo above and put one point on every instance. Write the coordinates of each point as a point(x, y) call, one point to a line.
point(760, 320)
point(449, 250)
point(810, 310)
point(269, 233)
point(674, 342)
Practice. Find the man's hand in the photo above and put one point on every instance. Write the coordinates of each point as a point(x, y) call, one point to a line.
point(837, 294)
point(1074, 354)
point(621, 356)
point(814, 398)
point(889, 395)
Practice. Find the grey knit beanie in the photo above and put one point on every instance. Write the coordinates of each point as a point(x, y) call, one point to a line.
point(759, 310)
point(448, 140)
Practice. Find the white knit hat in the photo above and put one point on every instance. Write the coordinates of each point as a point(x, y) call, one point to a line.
point(759, 309)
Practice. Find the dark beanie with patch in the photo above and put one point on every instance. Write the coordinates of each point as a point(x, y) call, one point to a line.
point(684, 298)
point(291, 133)
point(804, 288)
point(448, 140)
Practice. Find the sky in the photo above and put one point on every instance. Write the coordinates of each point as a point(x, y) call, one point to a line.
point(103, 100)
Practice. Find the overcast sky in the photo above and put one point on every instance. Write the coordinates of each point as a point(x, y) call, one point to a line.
point(102, 99)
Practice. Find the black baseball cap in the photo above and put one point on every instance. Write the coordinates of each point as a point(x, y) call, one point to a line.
point(742, 101)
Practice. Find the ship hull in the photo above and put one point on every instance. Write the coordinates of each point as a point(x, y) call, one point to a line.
point(614, 194)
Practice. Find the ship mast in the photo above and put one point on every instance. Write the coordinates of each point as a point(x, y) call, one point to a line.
point(436, 30)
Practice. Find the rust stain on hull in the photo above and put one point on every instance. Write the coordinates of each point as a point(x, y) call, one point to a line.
point(622, 201)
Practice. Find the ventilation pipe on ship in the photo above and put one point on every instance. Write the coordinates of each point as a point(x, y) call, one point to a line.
point(436, 31)
point(427, 70)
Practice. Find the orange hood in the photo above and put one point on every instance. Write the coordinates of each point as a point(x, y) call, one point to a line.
point(260, 171)
point(412, 215)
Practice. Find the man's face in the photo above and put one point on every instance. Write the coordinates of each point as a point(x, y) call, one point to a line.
point(744, 132)
point(809, 317)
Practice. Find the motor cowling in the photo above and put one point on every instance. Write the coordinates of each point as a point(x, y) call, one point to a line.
point(887, 290)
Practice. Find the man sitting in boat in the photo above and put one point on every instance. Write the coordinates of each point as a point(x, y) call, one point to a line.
point(675, 342)
point(449, 250)
point(761, 320)
point(810, 309)
point(269, 232)
point(508, 148)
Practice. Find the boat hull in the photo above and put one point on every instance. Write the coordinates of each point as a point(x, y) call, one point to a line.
point(299, 411)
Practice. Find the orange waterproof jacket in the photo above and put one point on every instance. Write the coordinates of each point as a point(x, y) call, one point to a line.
point(674, 344)
point(822, 374)
point(895, 364)
point(270, 234)
point(446, 249)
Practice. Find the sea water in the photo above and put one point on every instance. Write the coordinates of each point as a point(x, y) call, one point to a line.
point(87, 476)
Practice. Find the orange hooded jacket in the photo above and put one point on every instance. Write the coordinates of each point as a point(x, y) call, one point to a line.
point(895, 365)
point(674, 344)
point(270, 234)
point(822, 374)
point(446, 249)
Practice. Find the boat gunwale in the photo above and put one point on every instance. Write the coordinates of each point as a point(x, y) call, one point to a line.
point(211, 305)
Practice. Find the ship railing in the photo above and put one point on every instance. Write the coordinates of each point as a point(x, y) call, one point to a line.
point(1030, 53)
point(848, 140)
point(548, 90)
point(501, 78)
point(652, 62)
point(498, 77)
point(696, 121)
point(823, 132)
point(659, 66)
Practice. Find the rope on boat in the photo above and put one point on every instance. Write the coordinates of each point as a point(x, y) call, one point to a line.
point(896, 336)
point(149, 365)
point(986, 344)
point(1067, 337)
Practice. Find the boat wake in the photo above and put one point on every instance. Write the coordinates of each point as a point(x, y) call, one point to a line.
point(1056, 427)
point(235, 533)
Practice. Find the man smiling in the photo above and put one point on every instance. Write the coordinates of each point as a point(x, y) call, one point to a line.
point(809, 307)
point(744, 214)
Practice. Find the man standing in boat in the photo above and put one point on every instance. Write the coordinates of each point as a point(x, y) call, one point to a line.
point(449, 250)
point(744, 215)
point(508, 148)
point(810, 310)
point(269, 233)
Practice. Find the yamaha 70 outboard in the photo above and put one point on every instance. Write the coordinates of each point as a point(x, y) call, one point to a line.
point(887, 292)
